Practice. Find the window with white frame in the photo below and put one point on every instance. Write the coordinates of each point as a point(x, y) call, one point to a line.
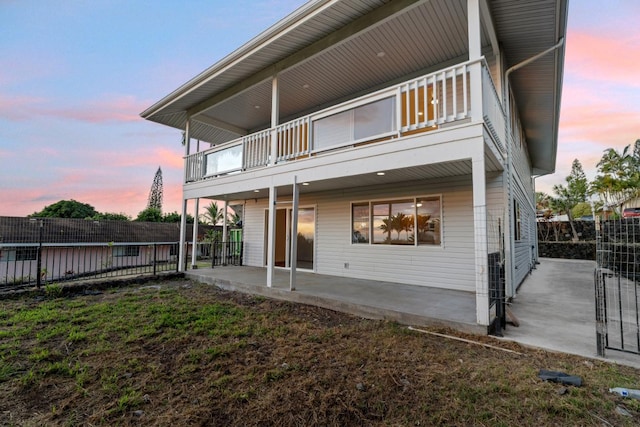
point(122, 251)
point(361, 123)
point(408, 221)
point(517, 235)
point(19, 254)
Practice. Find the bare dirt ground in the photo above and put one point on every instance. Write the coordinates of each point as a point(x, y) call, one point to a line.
point(181, 353)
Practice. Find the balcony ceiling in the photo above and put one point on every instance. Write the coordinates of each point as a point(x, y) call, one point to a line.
point(329, 51)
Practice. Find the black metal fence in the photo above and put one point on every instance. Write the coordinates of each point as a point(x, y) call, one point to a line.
point(497, 297)
point(40, 251)
point(220, 253)
point(617, 277)
point(37, 265)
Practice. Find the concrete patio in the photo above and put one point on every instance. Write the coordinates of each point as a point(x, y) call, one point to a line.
point(555, 304)
point(406, 304)
point(556, 309)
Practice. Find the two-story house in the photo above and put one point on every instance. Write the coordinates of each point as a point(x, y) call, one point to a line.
point(392, 140)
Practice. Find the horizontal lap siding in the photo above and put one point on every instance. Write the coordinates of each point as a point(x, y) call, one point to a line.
point(450, 266)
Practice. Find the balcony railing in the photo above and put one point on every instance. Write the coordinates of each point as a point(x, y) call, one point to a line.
point(415, 106)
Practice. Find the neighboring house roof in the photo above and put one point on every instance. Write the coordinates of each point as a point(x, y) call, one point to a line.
point(330, 50)
point(19, 230)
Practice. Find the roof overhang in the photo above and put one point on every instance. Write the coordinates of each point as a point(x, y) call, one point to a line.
point(328, 51)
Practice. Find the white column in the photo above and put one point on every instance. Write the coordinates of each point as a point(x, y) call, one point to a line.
point(293, 259)
point(224, 233)
point(271, 245)
point(194, 252)
point(480, 232)
point(473, 25)
point(475, 53)
point(183, 236)
point(275, 118)
point(183, 221)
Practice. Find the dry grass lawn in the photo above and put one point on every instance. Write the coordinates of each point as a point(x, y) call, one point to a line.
point(181, 353)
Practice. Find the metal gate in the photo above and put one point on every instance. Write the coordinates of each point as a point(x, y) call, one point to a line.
point(617, 278)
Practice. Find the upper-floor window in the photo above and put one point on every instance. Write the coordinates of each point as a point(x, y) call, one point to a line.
point(410, 221)
point(364, 122)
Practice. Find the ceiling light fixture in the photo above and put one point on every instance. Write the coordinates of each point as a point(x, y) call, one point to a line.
point(305, 183)
point(380, 54)
point(380, 173)
point(256, 191)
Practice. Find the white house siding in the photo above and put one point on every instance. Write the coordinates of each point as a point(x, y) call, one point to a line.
point(495, 211)
point(523, 193)
point(448, 266)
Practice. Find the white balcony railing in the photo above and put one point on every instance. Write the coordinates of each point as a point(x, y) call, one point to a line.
point(418, 105)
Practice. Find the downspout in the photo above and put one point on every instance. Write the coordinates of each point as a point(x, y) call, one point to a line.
point(510, 140)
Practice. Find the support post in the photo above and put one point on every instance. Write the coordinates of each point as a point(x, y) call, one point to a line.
point(294, 235)
point(182, 257)
point(194, 245)
point(271, 246)
point(39, 263)
point(225, 252)
point(480, 233)
point(275, 117)
point(475, 54)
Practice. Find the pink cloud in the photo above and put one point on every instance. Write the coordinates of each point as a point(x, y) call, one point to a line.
point(611, 58)
point(124, 108)
point(21, 107)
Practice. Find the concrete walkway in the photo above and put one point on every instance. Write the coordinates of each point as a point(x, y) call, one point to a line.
point(406, 304)
point(556, 309)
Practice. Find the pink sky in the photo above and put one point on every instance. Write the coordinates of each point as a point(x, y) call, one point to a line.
point(72, 88)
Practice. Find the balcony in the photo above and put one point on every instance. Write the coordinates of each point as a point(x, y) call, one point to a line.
point(437, 100)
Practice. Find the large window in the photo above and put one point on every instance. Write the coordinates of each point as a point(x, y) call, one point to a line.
point(411, 221)
point(223, 161)
point(360, 222)
point(357, 124)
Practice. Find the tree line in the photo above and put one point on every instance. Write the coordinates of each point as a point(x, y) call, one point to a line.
point(617, 181)
point(74, 209)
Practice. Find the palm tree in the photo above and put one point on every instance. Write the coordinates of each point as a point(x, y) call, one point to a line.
point(386, 227)
point(212, 215)
point(618, 176)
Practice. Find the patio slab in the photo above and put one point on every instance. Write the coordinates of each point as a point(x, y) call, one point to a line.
point(406, 304)
point(556, 309)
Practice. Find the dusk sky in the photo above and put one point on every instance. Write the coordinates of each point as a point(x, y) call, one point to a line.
point(75, 75)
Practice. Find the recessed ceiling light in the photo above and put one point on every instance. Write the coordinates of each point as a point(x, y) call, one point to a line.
point(256, 191)
point(380, 173)
point(305, 183)
point(257, 107)
point(380, 54)
point(305, 86)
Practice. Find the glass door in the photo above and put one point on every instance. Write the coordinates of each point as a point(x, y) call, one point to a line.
point(306, 237)
point(282, 236)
